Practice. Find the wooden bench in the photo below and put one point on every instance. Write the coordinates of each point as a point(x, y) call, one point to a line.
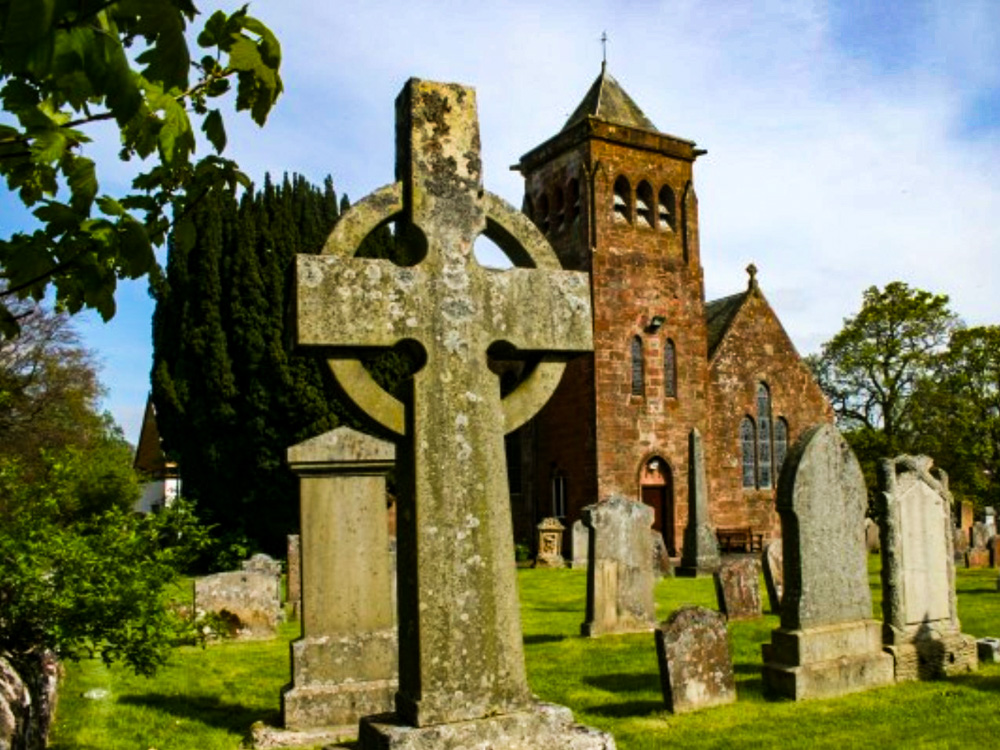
point(741, 538)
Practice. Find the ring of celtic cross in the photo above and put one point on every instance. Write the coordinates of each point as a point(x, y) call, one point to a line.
point(514, 233)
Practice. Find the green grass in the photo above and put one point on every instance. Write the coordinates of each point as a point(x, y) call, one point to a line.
point(207, 699)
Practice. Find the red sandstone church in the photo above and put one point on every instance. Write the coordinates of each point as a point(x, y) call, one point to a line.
point(616, 198)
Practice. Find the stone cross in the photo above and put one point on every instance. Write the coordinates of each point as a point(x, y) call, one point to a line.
point(461, 654)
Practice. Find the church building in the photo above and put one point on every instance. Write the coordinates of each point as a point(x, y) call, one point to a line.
point(615, 197)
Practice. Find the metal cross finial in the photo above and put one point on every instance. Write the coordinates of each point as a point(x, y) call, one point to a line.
point(604, 49)
point(752, 271)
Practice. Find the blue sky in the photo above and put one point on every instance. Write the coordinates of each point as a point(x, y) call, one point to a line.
point(849, 143)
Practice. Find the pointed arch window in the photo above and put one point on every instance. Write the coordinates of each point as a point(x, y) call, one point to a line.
point(666, 209)
point(748, 453)
point(573, 197)
point(670, 369)
point(637, 379)
point(543, 213)
point(559, 495)
point(764, 477)
point(644, 205)
point(623, 201)
point(559, 206)
point(780, 443)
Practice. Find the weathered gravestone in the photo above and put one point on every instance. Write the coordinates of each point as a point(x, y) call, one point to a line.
point(828, 644)
point(246, 602)
point(961, 539)
point(737, 588)
point(620, 576)
point(990, 519)
point(293, 585)
point(662, 567)
point(921, 628)
point(461, 671)
point(581, 544)
point(261, 563)
point(701, 549)
point(966, 516)
point(550, 534)
point(980, 535)
point(696, 662)
point(345, 664)
point(978, 554)
point(772, 561)
point(872, 541)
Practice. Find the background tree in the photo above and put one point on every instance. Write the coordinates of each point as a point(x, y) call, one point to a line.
point(870, 369)
point(956, 414)
point(66, 65)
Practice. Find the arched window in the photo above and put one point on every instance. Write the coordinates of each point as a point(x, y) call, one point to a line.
point(543, 213)
point(623, 201)
point(559, 495)
point(666, 209)
point(748, 453)
point(637, 379)
point(574, 198)
point(560, 210)
point(644, 205)
point(764, 480)
point(780, 443)
point(669, 369)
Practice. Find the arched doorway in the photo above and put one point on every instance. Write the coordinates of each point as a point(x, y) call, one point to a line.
point(656, 485)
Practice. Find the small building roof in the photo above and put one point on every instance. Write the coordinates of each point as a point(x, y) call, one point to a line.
point(719, 313)
point(606, 100)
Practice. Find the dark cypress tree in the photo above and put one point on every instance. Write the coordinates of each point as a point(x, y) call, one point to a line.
point(230, 395)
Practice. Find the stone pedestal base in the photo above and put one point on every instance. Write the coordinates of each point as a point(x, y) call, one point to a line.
point(933, 658)
point(594, 629)
point(316, 706)
point(263, 737)
point(826, 661)
point(543, 726)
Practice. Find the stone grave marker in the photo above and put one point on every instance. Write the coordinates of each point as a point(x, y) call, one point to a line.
point(345, 664)
point(620, 576)
point(872, 541)
point(550, 534)
point(961, 539)
point(261, 563)
point(461, 671)
point(993, 547)
point(737, 588)
point(293, 585)
point(988, 650)
point(921, 628)
point(700, 553)
point(990, 519)
point(966, 516)
point(828, 644)
point(772, 561)
point(695, 659)
point(662, 567)
point(980, 535)
point(581, 544)
point(247, 602)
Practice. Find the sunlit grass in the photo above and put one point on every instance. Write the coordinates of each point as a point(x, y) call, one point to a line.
point(209, 698)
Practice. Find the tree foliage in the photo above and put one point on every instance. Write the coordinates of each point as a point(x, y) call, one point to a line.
point(68, 65)
point(869, 370)
point(230, 395)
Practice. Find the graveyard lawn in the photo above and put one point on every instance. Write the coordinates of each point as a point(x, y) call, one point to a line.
point(207, 699)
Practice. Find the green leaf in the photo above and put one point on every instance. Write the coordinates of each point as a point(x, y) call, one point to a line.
point(27, 21)
point(244, 55)
point(215, 130)
point(60, 217)
point(215, 27)
point(136, 250)
point(109, 206)
point(82, 179)
point(270, 48)
point(184, 235)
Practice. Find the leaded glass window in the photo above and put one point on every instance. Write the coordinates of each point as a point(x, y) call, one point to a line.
point(747, 452)
point(670, 369)
point(637, 379)
point(780, 443)
point(763, 437)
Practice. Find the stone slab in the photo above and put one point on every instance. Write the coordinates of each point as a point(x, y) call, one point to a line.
point(247, 602)
point(934, 658)
point(542, 725)
point(977, 558)
point(695, 660)
point(328, 705)
point(701, 548)
point(581, 543)
point(264, 737)
point(737, 588)
point(772, 562)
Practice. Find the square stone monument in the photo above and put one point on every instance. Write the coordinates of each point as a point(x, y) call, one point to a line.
point(920, 628)
point(550, 535)
point(345, 664)
point(620, 578)
point(462, 679)
point(828, 644)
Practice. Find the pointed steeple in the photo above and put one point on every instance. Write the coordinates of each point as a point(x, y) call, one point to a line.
point(606, 100)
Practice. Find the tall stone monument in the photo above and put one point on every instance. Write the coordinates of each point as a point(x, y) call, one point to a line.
point(828, 644)
point(345, 664)
point(620, 577)
point(461, 670)
point(701, 549)
point(920, 628)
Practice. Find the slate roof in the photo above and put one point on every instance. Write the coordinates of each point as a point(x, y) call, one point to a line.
point(719, 313)
point(606, 100)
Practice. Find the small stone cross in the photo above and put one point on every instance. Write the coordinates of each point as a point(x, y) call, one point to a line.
point(461, 651)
